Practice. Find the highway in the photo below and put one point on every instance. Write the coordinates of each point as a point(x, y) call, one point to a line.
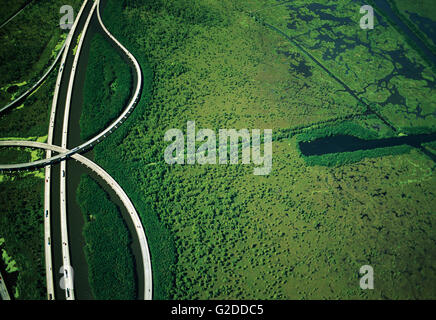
point(65, 154)
point(47, 186)
point(146, 260)
point(4, 294)
point(69, 281)
point(102, 135)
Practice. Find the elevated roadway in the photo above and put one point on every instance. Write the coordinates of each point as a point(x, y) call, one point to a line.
point(64, 154)
point(4, 294)
point(23, 96)
point(146, 260)
point(67, 268)
point(47, 183)
point(14, 15)
point(102, 135)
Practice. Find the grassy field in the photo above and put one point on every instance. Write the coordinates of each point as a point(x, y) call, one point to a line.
point(379, 66)
point(302, 231)
point(219, 231)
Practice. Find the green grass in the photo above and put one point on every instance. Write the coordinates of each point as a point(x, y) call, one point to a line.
point(159, 239)
point(420, 17)
point(378, 65)
point(344, 128)
point(14, 155)
point(343, 158)
point(354, 129)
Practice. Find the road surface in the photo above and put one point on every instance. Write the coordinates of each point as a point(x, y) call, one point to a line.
point(47, 211)
point(64, 154)
point(3, 289)
point(69, 281)
point(148, 278)
point(102, 135)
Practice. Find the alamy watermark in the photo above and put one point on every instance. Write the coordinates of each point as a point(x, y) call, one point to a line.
point(68, 273)
point(367, 21)
point(367, 280)
point(229, 140)
point(67, 19)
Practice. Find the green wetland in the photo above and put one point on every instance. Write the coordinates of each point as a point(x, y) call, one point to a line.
point(304, 230)
point(353, 116)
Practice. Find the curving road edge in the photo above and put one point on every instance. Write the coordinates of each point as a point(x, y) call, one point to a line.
point(102, 135)
point(16, 14)
point(36, 85)
point(64, 154)
point(148, 278)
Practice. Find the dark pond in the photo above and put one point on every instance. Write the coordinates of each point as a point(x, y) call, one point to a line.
point(346, 143)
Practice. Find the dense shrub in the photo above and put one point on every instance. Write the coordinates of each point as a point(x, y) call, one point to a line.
point(111, 154)
point(107, 248)
point(21, 225)
point(337, 159)
point(107, 88)
point(28, 43)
